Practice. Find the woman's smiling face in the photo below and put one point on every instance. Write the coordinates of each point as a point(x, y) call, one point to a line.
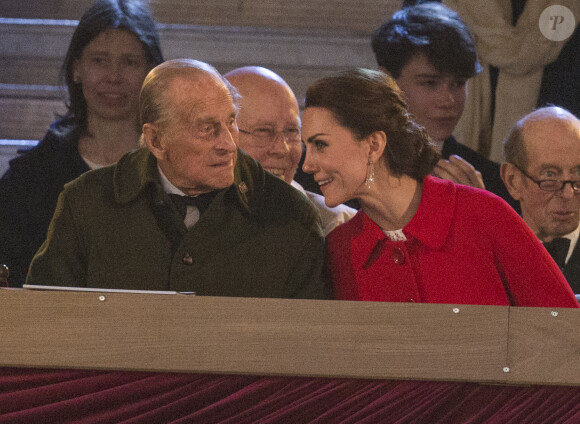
point(337, 160)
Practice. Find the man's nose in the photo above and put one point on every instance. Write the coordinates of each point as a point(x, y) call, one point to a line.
point(279, 144)
point(568, 190)
point(448, 97)
point(226, 140)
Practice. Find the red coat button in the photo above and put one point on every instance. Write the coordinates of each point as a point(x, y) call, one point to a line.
point(187, 259)
point(398, 256)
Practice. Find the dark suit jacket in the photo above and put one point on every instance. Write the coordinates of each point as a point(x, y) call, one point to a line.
point(489, 169)
point(572, 270)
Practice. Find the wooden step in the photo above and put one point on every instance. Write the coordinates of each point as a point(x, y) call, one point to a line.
point(32, 52)
point(362, 16)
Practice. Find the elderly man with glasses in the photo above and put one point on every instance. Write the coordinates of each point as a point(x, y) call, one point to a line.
point(542, 172)
point(269, 125)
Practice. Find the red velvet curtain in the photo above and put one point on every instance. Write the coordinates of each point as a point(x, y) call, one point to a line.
point(79, 396)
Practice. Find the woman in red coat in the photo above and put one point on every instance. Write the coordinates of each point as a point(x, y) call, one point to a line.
point(417, 238)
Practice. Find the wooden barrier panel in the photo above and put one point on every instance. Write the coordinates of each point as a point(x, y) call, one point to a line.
point(288, 337)
point(544, 345)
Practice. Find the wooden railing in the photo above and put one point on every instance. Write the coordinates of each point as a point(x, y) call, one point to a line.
point(101, 330)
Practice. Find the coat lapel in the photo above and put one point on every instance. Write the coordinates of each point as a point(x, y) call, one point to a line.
point(572, 270)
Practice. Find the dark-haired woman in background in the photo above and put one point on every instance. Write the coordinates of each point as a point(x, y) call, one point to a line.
point(113, 48)
point(417, 238)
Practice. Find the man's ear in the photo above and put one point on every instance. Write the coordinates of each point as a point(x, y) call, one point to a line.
point(153, 141)
point(512, 178)
point(377, 143)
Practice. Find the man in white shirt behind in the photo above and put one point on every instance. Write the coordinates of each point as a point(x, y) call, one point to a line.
point(269, 124)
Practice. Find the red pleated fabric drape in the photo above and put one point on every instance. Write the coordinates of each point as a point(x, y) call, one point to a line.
point(81, 396)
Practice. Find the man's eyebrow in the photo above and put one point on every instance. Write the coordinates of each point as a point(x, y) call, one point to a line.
point(429, 75)
point(545, 166)
point(313, 137)
point(211, 119)
point(270, 123)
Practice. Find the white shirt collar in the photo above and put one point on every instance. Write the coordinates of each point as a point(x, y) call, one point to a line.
point(167, 185)
point(192, 213)
point(298, 187)
point(573, 237)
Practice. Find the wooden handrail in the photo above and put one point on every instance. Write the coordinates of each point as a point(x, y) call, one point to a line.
point(99, 330)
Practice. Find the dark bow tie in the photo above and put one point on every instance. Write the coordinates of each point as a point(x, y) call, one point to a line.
point(558, 249)
point(201, 202)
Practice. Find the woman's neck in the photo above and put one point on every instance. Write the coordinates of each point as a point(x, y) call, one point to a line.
point(106, 141)
point(392, 201)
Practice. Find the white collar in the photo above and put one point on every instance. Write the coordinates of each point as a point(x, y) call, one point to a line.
point(167, 185)
point(298, 187)
point(573, 236)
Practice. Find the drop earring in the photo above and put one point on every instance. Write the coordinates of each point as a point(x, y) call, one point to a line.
point(370, 175)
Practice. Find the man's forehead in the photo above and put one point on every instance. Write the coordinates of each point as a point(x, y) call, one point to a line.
point(552, 143)
point(195, 85)
point(194, 93)
point(419, 66)
point(551, 132)
point(274, 110)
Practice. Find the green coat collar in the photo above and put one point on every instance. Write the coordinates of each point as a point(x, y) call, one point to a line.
point(136, 172)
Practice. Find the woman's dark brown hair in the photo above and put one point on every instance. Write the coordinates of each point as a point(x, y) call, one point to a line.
point(365, 101)
point(130, 15)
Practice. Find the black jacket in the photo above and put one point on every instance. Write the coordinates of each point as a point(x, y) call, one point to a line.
point(28, 193)
point(489, 169)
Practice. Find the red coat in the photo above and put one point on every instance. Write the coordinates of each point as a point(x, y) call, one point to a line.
point(464, 246)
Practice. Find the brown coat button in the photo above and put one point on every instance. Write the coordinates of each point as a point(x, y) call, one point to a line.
point(398, 256)
point(187, 259)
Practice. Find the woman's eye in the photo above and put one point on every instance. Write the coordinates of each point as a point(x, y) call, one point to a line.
point(320, 145)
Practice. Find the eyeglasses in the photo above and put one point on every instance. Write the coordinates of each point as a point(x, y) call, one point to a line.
point(263, 137)
point(552, 185)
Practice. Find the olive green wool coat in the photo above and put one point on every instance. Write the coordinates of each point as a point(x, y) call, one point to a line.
point(116, 228)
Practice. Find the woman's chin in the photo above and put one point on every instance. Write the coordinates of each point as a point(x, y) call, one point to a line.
point(332, 202)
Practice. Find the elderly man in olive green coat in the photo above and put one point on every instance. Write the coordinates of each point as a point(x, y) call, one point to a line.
point(117, 227)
